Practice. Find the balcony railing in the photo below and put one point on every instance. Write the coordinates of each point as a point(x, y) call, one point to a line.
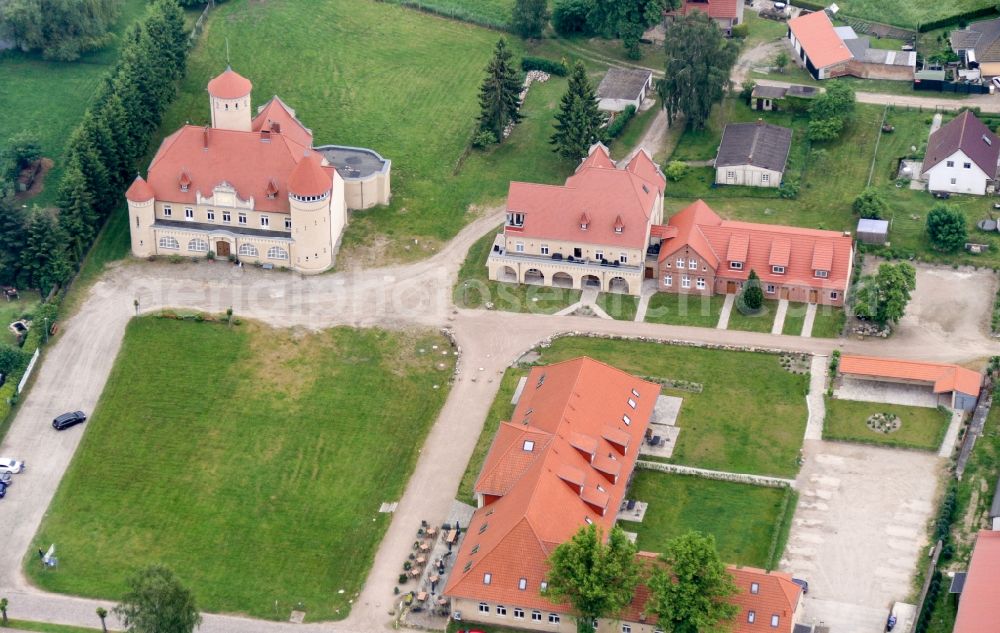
point(499, 254)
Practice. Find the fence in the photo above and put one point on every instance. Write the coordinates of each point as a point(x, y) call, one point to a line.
point(959, 87)
point(196, 31)
point(27, 372)
point(742, 478)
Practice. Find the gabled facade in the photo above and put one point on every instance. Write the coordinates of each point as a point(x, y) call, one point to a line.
point(827, 51)
point(769, 602)
point(962, 157)
point(726, 13)
point(591, 232)
point(252, 187)
point(753, 154)
point(700, 253)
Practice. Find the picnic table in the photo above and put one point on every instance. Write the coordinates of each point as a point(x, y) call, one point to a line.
point(421, 596)
point(421, 560)
point(415, 571)
point(451, 537)
point(425, 546)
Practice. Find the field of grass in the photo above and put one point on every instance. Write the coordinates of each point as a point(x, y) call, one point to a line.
point(760, 322)
point(47, 627)
point(500, 411)
point(920, 427)
point(49, 97)
point(743, 518)
point(618, 306)
point(680, 309)
point(829, 322)
point(907, 13)
point(492, 13)
point(260, 486)
point(13, 310)
point(633, 133)
point(397, 80)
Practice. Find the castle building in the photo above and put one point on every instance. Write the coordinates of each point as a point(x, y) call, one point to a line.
point(252, 186)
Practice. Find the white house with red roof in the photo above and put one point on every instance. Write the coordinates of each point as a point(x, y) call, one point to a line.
point(592, 231)
point(962, 157)
point(252, 187)
point(700, 253)
point(563, 461)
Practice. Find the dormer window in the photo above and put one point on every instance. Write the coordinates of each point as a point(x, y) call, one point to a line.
point(529, 445)
point(515, 219)
point(184, 181)
point(778, 270)
point(583, 226)
point(822, 274)
point(619, 229)
point(736, 265)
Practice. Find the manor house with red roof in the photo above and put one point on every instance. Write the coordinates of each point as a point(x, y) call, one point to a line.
point(251, 186)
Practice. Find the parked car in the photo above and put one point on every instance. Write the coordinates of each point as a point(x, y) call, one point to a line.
point(3, 490)
point(67, 420)
point(11, 465)
point(996, 82)
point(5, 478)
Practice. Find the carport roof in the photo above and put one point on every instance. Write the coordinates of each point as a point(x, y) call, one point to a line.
point(944, 377)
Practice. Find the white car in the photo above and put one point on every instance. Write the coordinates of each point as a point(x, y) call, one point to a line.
point(996, 82)
point(11, 465)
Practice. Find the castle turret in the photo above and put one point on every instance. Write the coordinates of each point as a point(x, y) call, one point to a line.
point(229, 101)
point(141, 202)
point(309, 202)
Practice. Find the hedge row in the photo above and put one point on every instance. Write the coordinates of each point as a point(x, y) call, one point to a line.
point(545, 65)
point(616, 127)
point(805, 4)
point(984, 12)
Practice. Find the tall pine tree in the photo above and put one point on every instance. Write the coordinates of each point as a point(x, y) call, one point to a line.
point(578, 124)
point(529, 17)
point(77, 215)
point(12, 238)
point(45, 262)
point(499, 95)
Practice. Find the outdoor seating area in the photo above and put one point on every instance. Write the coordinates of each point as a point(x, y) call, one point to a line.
point(632, 510)
point(661, 436)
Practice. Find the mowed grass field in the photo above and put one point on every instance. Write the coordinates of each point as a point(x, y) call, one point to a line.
point(920, 427)
point(908, 13)
point(743, 518)
point(50, 97)
point(252, 461)
point(400, 81)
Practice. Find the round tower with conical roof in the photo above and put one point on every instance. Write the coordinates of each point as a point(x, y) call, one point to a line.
point(312, 190)
point(141, 201)
point(229, 100)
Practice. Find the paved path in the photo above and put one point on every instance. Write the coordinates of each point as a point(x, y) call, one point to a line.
point(727, 309)
point(759, 480)
point(779, 316)
point(807, 324)
point(815, 402)
point(986, 103)
point(951, 435)
point(648, 290)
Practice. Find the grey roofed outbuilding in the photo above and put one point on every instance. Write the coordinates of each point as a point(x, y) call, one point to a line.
point(759, 144)
point(623, 83)
point(873, 231)
point(768, 92)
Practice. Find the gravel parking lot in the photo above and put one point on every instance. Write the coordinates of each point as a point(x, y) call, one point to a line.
point(859, 531)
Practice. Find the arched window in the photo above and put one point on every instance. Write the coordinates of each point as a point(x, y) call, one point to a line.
point(276, 252)
point(198, 246)
point(248, 250)
point(169, 242)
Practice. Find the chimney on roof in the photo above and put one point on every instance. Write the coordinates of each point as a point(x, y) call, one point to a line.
point(205, 138)
point(275, 127)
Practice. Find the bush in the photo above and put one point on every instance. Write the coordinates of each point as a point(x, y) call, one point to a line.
point(560, 69)
point(616, 127)
point(676, 170)
point(752, 298)
point(746, 90)
point(805, 4)
point(483, 139)
point(789, 190)
point(946, 228)
point(570, 16)
point(870, 204)
point(955, 19)
point(741, 31)
point(13, 360)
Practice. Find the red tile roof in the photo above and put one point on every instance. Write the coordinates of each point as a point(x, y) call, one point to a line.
point(547, 466)
point(714, 8)
point(278, 112)
point(776, 595)
point(598, 191)
point(945, 377)
point(761, 246)
point(309, 178)
point(140, 191)
point(229, 85)
point(815, 33)
point(978, 610)
point(967, 133)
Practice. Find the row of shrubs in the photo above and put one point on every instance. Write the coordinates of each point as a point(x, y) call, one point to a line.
point(958, 18)
point(995, 322)
point(616, 127)
point(947, 514)
point(559, 69)
point(15, 360)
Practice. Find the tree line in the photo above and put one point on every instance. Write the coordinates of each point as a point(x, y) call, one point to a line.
point(40, 248)
point(59, 29)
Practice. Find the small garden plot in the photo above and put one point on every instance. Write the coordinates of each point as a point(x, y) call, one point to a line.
point(876, 423)
point(760, 321)
point(682, 309)
point(618, 306)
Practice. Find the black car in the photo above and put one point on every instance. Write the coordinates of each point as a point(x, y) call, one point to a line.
point(67, 420)
point(3, 490)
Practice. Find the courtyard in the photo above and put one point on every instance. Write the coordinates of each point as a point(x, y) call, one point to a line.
point(209, 443)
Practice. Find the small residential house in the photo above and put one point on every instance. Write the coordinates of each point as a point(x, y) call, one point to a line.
point(753, 154)
point(592, 231)
point(962, 157)
point(977, 604)
point(764, 98)
point(978, 46)
point(726, 13)
point(564, 461)
point(700, 253)
point(251, 186)
point(827, 51)
point(623, 87)
point(941, 383)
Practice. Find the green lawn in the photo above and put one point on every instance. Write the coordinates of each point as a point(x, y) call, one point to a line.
point(251, 461)
point(492, 13)
point(500, 411)
point(13, 310)
point(49, 97)
point(633, 133)
point(397, 80)
point(920, 427)
point(474, 289)
point(618, 306)
point(829, 322)
point(795, 318)
point(753, 423)
point(760, 322)
point(681, 309)
point(47, 627)
point(907, 13)
point(743, 518)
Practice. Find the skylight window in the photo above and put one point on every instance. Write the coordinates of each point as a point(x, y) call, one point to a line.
point(482, 528)
point(635, 393)
point(987, 140)
point(487, 578)
point(631, 403)
point(627, 420)
point(588, 520)
point(541, 381)
point(529, 445)
point(522, 584)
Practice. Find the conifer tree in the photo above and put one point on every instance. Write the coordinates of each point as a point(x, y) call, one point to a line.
point(578, 123)
point(499, 95)
point(77, 215)
point(45, 262)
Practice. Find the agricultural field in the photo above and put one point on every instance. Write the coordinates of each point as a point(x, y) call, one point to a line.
point(920, 427)
point(492, 13)
point(50, 97)
point(908, 13)
point(744, 519)
point(240, 485)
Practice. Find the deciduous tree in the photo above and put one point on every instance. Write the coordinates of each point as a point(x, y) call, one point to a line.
point(570, 16)
point(60, 29)
point(870, 204)
point(157, 602)
point(830, 112)
point(578, 123)
point(529, 17)
point(946, 228)
point(690, 593)
point(598, 579)
point(781, 61)
point(627, 19)
point(883, 296)
point(499, 94)
point(699, 61)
